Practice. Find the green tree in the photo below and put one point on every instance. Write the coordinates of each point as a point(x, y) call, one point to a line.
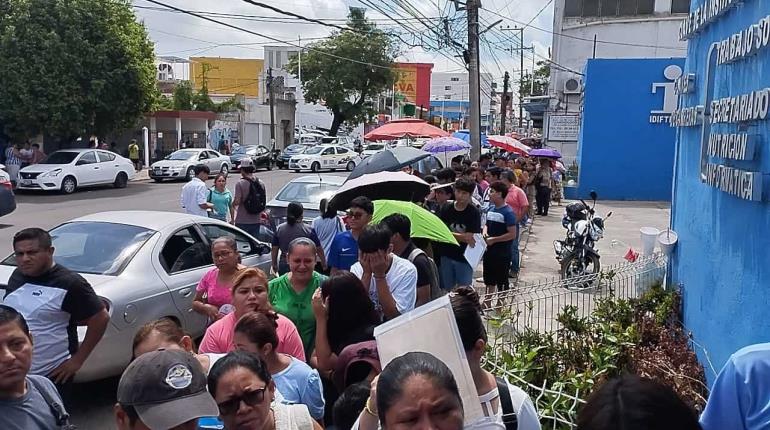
point(202, 101)
point(344, 86)
point(542, 77)
point(73, 67)
point(183, 96)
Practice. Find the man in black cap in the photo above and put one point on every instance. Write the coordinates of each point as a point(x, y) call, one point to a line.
point(164, 389)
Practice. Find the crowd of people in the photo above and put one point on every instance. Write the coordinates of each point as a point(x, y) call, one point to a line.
point(295, 348)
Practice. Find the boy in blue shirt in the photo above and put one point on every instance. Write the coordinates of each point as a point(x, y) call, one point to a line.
point(343, 252)
point(500, 232)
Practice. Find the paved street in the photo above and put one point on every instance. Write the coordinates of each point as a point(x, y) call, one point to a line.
point(92, 409)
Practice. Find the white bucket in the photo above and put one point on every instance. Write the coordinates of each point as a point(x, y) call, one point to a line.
point(649, 236)
point(667, 240)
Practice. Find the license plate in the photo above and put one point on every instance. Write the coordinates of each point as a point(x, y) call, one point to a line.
point(26, 182)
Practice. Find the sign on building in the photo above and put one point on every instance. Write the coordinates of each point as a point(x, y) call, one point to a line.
point(563, 128)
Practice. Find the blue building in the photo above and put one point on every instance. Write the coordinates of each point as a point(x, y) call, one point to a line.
point(626, 147)
point(720, 207)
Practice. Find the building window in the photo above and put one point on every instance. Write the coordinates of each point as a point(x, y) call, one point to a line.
point(680, 6)
point(454, 79)
point(590, 7)
point(573, 8)
point(645, 7)
point(447, 97)
point(610, 8)
point(448, 88)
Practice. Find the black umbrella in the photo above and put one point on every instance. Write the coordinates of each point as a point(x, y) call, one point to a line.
point(389, 160)
point(381, 186)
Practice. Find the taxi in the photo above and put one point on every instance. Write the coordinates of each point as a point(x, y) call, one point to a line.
point(325, 157)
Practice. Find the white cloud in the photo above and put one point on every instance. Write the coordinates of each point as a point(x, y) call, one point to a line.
point(183, 35)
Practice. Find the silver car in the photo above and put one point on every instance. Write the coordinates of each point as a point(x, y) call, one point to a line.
point(180, 164)
point(308, 190)
point(144, 265)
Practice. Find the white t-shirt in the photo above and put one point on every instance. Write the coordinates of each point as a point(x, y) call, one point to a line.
point(402, 283)
point(194, 193)
point(526, 414)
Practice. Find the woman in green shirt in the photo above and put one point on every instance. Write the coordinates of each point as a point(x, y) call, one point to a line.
point(222, 199)
point(291, 294)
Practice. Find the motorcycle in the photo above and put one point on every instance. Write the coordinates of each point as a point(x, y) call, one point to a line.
point(577, 253)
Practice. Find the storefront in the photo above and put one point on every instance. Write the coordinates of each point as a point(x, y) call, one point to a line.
point(625, 146)
point(720, 207)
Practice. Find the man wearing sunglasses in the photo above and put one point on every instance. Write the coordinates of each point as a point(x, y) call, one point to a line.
point(343, 252)
point(164, 389)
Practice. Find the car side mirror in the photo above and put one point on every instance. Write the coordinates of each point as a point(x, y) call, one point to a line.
point(593, 195)
point(263, 248)
point(201, 157)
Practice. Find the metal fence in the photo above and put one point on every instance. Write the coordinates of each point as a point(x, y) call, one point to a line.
point(537, 305)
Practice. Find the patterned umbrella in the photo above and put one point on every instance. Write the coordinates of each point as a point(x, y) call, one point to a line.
point(445, 144)
point(509, 144)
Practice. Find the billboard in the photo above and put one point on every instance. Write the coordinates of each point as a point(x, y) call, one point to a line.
point(413, 83)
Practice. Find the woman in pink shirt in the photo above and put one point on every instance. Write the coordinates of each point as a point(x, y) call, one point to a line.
point(212, 295)
point(249, 293)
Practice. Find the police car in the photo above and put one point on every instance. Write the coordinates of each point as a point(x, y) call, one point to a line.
point(325, 157)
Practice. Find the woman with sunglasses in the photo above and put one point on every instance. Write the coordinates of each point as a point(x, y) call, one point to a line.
point(297, 382)
point(291, 294)
point(244, 391)
point(249, 295)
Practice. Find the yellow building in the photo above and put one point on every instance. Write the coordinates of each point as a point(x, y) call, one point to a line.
point(227, 76)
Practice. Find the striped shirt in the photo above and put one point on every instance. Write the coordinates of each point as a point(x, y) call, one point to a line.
point(10, 157)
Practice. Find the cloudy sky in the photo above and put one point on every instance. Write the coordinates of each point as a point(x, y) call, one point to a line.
point(178, 34)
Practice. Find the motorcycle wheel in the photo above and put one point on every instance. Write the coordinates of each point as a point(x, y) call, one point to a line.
point(572, 267)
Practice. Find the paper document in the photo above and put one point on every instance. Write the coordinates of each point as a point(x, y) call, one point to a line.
point(431, 328)
point(474, 254)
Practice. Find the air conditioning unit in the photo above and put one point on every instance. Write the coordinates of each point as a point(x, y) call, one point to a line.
point(573, 86)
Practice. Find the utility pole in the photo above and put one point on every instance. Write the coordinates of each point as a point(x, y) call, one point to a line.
point(271, 94)
point(299, 88)
point(472, 6)
point(521, 76)
point(504, 102)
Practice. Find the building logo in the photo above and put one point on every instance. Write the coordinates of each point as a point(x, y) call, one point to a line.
point(663, 116)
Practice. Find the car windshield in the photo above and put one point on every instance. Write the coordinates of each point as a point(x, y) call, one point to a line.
point(314, 150)
point(243, 150)
point(98, 248)
point(375, 147)
point(60, 157)
point(296, 148)
point(306, 192)
point(183, 155)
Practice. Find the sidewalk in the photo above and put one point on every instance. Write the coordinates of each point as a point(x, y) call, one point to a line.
point(621, 231)
point(142, 175)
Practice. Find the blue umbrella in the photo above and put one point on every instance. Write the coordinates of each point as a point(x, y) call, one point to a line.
point(466, 136)
point(445, 144)
point(545, 153)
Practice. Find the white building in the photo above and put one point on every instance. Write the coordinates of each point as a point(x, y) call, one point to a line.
point(586, 29)
point(455, 87)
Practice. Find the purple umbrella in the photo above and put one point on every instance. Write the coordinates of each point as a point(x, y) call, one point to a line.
point(445, 144)
point(545, 153)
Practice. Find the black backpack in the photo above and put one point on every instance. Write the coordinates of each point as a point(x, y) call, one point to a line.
point(256, 200)
point(510, 420)
point(435, 288)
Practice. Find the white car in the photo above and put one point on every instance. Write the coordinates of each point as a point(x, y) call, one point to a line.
point(180, 164)
point(329, 157)
point(372, 149)
point(67, 170)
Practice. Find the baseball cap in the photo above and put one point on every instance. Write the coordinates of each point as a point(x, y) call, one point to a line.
point(166, 388)
point(351, 355)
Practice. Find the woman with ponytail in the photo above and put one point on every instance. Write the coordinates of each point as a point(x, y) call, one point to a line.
point(293, 228)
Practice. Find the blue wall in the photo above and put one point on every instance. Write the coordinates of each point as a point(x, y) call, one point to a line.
point(621, 155)
point(723, 256)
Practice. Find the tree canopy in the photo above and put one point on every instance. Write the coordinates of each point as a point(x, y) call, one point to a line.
point(345, 87)
point(542, 76)
point(73, 67)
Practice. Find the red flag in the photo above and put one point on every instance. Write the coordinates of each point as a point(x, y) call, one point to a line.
point(631, 255)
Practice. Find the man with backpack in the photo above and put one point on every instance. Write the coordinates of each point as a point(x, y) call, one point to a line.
point(427, 273)
point(250, 200)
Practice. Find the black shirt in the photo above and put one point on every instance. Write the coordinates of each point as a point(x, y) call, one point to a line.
point(467, 221)
point(421, 262)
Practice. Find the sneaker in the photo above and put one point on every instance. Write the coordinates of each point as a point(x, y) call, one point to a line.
point(514, 275)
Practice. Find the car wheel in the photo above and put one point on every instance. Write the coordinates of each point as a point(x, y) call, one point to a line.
point(69, 185)
point(269, 165)
point(121, 180)
point(225, 169)
point(158, 180)
point(351, 165)
point(315, 167)
point(190, 174)
point(296, 170)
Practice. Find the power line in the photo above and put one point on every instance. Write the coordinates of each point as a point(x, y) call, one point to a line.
point(538, 13)
point(569, 36)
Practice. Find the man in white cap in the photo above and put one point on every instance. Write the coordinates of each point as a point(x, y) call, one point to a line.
point(164, 389)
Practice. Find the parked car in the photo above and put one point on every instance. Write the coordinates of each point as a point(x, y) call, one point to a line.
point(259, 154)
point(308, 190)
point(67, 170)
point(180, 164)
point(7, 198)
point(345, 141)
point(331, 157)
point(144, 265)
point(283, 160)
point(372, 149)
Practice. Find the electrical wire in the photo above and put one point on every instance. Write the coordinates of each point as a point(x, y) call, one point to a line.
point(538, 13)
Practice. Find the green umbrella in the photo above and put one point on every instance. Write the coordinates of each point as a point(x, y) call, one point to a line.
point(424, 224)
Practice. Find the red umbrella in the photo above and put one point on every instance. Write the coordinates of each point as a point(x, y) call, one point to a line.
point(410, 127)
point(509, 144)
